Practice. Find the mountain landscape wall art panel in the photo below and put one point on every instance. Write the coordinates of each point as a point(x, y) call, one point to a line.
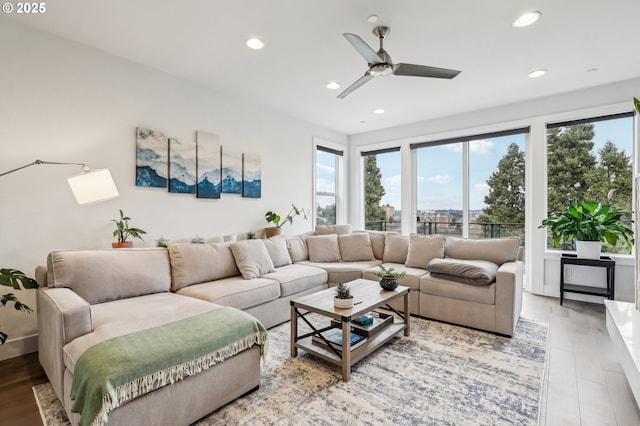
point(182, 166)
point(251, 175)
point(208, 156)
point(152, 158)
point(231, 171)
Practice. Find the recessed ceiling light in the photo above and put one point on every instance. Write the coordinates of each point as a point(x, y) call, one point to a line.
point(379, 111)
point(372, 18)
point(537, 73)
point(592, 70)
point(333, 85)
point(255, 43)
point(527, 19)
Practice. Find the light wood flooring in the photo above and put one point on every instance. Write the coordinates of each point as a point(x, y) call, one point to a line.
point(584, 383)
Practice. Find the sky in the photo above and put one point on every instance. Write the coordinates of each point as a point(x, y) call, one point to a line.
point(440, 168)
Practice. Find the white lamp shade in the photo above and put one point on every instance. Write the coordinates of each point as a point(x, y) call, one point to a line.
point(93, 186)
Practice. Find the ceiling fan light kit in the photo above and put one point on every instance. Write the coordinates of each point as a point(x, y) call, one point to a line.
point(380, 63)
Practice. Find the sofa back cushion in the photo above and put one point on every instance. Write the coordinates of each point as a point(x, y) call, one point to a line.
point(324, 248)
point(396, 247)
point(104, 275)
point(496, 250)
point(333, 229)
point(277, 248)
point(423, 248)
point(355, 247)
point(199, 263)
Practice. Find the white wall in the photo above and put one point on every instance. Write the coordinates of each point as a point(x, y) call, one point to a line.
point(542, 266)
point(61, 101)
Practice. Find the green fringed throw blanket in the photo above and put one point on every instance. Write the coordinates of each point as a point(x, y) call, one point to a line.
point(120, 369)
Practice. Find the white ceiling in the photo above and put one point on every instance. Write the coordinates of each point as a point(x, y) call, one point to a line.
point(204, 41)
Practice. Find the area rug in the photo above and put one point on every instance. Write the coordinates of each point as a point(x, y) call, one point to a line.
point(441, 375)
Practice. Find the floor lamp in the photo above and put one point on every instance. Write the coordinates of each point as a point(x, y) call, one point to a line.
point(88, 187)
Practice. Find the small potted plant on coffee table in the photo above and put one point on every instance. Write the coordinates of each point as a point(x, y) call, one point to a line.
point(124, 231)
point(343, 298)
point(389, 277)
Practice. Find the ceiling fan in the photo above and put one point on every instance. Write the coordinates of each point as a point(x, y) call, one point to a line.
point(380, 63)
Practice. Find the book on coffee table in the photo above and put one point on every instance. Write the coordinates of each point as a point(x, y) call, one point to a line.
point(380, 321)
point(334, 336)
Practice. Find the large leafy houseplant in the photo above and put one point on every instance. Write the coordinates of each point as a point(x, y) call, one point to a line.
point(589, 221)
point(18, 280)
point(277, 220)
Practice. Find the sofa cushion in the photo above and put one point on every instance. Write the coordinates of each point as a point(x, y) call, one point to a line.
point(411, 279)
point(377, 243)
point(277, 248)
point(324, 248)
point(252, 258)
point(475, 272)
point(235, 291)
point(355, 247)
point(296, 278)
point(130, 315)
point(496, 250)
point(396, 248)
point(103, 275)
point(297, 247)
point(333, 229)
point(423, 248)
point(342, 272)
point(198, 263)
point(485, 294)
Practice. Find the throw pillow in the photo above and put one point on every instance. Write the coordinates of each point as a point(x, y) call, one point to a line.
point(423, 248)
point(476, 272)
point(333, 229)
point(297, 248)
point(252, 258)
point(324, 248)
point(355, 247)
point(396, 248)
point(277, 248)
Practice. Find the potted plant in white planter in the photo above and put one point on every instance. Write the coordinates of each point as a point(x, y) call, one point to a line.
point(343, 297)
point(277, 221)
point(389, 277)
point(589, 224)
point(124, 231)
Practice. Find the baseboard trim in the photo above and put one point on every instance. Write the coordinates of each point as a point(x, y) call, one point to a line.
point(19, 347)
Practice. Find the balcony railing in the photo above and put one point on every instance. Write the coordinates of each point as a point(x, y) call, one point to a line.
point(454, 228)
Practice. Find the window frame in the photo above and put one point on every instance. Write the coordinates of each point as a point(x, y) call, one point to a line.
point(340, 182)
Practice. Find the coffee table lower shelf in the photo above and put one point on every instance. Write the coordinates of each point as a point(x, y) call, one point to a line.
point(358, 353)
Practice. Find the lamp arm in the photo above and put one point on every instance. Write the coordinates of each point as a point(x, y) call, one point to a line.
point(85, 168)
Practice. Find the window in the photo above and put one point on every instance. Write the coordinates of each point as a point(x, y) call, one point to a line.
point(326, 184)
point(472, 186)
point(590, 160)
point(382, 191)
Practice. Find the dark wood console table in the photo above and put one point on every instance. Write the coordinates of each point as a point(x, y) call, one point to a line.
point(603, 262)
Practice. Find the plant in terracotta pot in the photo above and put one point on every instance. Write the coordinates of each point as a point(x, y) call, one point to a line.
point(389, 277)
point(343, 297)
point(18, 280)
point(278, 221)
point(124, 231)
point(592, 223)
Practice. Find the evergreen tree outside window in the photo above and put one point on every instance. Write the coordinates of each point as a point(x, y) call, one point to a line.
point(382, 190)
point(590, 160)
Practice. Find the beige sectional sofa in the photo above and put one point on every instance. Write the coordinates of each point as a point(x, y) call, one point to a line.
point(90, 296)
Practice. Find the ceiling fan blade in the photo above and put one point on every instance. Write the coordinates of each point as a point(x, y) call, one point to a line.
point(423, 71)
point(364, 49)
point(362, 80)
